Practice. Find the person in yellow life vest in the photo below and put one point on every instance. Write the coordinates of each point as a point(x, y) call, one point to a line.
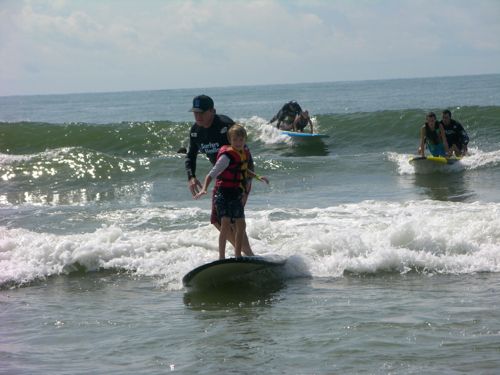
point(231, 173)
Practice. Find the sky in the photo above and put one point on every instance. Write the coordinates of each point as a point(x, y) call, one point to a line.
point(73, 46)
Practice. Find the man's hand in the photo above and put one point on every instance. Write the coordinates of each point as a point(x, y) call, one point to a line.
point(200, 194)
point(194, 186)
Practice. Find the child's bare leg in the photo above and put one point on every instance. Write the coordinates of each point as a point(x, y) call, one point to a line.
point(239, 227)
point(245, 245)
point(225, 229)
point(247, 250)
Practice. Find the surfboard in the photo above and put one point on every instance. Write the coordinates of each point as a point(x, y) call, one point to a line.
point(433, 159)
point(433, 164)
point(233, 270)
point(304, 136)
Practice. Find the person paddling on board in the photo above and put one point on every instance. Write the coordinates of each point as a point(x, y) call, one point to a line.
point(287, 115)
point(456, 136)
point(207, 135)
point(432, 134)
point(231, 173)
point(301, 121)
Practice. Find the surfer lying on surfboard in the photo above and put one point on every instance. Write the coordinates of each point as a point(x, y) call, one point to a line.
point(292, 117)
point(231, 172)
point(287, 115)
point(456, 136)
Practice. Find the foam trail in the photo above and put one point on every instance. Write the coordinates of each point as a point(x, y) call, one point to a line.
point(266, 133)
point(476, 159)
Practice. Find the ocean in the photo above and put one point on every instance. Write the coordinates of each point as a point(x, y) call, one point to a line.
point(389, 271)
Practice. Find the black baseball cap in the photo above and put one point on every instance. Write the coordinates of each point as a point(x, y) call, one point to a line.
point(202, 103)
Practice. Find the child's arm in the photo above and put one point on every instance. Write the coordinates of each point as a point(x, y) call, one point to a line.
point(221, 164)
point(204, 188)
point(260, 178)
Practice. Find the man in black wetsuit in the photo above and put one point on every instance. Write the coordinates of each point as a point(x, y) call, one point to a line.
point(456, 136)
point(287, 114)
point(207, 135)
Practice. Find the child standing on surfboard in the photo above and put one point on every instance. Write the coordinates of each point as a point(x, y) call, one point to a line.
point(231, 173)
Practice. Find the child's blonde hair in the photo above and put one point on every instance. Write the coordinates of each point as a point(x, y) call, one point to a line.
point(236, 131)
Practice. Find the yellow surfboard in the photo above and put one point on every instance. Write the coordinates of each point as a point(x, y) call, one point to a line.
point(433, 159)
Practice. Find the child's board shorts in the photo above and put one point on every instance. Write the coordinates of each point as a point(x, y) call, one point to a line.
point(227, 202)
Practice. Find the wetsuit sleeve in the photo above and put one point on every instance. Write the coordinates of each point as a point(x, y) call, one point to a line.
point(190, 161)
point(464, 135)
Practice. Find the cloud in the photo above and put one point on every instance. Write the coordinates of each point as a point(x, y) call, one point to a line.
point(65, 46)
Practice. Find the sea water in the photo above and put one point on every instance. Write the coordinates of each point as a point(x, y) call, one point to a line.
point(389, 271)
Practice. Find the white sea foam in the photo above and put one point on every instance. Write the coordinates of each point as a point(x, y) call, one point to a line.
point(478, 159)
point(475, 160)
point(369, 237)
point(260, 129)
point(9, 159)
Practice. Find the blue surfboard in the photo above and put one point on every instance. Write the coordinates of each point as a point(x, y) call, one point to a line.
point(299, 135)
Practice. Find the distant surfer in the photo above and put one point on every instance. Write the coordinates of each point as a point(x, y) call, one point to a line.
point(432, 134)
point(207, 135)
point(301, 121)
point(456, 136)
point(231, 173)
point(287, 115)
